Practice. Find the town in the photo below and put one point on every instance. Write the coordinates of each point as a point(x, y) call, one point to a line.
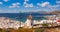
point(53, 20)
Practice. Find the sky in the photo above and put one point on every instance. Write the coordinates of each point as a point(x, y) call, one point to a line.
point(18, 6)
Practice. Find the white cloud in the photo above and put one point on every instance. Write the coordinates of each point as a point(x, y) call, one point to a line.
point(38, 4)
point(5, 0)
point(26, 0)
point(28, 5)
point(53, 6)
point(1, 2)
point(25, 3)
point(18, 3)
point(48, 7)
point(31, 5)
point(43, 4)
point(47, 4)
point(58, 1)
point(15, 5)
point(10, 7)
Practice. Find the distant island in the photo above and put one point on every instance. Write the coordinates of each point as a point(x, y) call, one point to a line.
point(43, 12)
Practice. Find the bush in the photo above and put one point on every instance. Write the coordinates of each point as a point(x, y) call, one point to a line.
point(39, 30)
point(44, 24)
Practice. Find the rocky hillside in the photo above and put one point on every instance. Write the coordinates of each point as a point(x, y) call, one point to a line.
point(54, 12)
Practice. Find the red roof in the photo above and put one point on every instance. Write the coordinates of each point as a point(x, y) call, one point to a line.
point(58, 20)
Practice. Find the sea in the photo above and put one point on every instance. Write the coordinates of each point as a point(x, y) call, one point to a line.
point(23, 16)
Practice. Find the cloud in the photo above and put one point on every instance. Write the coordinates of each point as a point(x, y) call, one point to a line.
point(25, 3)
point(38, 4)
point(53, 7)
point(15, 5)
point(50, 8)
point(28, 5)
point(18, 3)
point(1, 2)
point(46, 6)
point(9, 11)
point(5, 0)
point(26, 0)
point(58, 1)
point(43, 4)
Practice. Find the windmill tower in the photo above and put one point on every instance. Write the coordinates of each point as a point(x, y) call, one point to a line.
point(29, 21)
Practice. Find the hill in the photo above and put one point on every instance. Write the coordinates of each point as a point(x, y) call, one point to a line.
point(54, 12)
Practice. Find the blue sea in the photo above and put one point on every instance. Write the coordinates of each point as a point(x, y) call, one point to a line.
point(23, 16)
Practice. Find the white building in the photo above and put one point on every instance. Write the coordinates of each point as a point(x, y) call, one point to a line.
point(8, 23)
